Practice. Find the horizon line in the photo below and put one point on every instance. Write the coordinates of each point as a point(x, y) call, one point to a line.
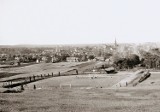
point(75, 44)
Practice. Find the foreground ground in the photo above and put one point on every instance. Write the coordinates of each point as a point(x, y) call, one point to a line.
point(88, 93)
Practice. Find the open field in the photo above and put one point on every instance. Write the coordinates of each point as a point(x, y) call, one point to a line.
point(88, 93)
point(45, 68)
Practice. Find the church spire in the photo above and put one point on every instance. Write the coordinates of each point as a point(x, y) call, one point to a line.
point(115, 43)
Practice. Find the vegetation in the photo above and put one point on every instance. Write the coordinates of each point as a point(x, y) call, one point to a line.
point(122, 60)
point(125, 63)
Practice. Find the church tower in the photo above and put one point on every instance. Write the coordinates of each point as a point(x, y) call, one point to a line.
point(115, 44)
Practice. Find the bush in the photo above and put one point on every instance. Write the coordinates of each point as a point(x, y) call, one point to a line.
point(91, 57)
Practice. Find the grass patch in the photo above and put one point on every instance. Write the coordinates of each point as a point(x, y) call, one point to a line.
point(6, 74)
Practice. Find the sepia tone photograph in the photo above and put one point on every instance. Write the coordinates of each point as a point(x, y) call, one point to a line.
point(79, 56)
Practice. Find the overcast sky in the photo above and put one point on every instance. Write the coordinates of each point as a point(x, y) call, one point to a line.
point(79, 21)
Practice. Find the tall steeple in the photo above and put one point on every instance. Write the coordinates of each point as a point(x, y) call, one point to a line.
point(115, 43)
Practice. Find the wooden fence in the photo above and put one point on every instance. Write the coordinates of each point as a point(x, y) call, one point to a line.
point(26, 80)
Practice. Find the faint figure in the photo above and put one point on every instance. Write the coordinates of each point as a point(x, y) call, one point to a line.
point(34, 86)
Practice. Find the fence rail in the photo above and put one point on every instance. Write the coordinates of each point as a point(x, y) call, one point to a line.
point(26, 80)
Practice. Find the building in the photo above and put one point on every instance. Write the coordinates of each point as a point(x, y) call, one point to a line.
point(72, 59)
point(100, 58)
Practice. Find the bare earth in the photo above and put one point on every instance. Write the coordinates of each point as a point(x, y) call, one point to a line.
point(88, 93)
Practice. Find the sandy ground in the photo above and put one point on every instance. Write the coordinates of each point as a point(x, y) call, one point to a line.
point(88, 93)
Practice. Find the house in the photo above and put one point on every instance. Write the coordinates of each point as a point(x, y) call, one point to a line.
point(110, 60)
point(44, 59)
point(38, 60)
point(55, 59)
point(17, 61)
point(72, 59)
point(100, 58)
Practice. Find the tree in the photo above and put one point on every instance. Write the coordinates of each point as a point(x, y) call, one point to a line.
point(133, 60)
point(63, 57)
point(91, 57)
point(84, 57)
point(125, 63)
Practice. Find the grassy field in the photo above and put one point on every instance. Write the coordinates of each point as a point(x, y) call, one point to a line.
point(44, 68)
point(88, 93)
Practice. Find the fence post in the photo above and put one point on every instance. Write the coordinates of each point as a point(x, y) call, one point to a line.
point(34, 78)
point(41, 76)
point(22, 88)
point(76, 71)
point(30, 79)
point(34, 86)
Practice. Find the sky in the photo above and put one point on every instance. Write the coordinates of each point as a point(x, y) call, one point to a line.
point(79, 21)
